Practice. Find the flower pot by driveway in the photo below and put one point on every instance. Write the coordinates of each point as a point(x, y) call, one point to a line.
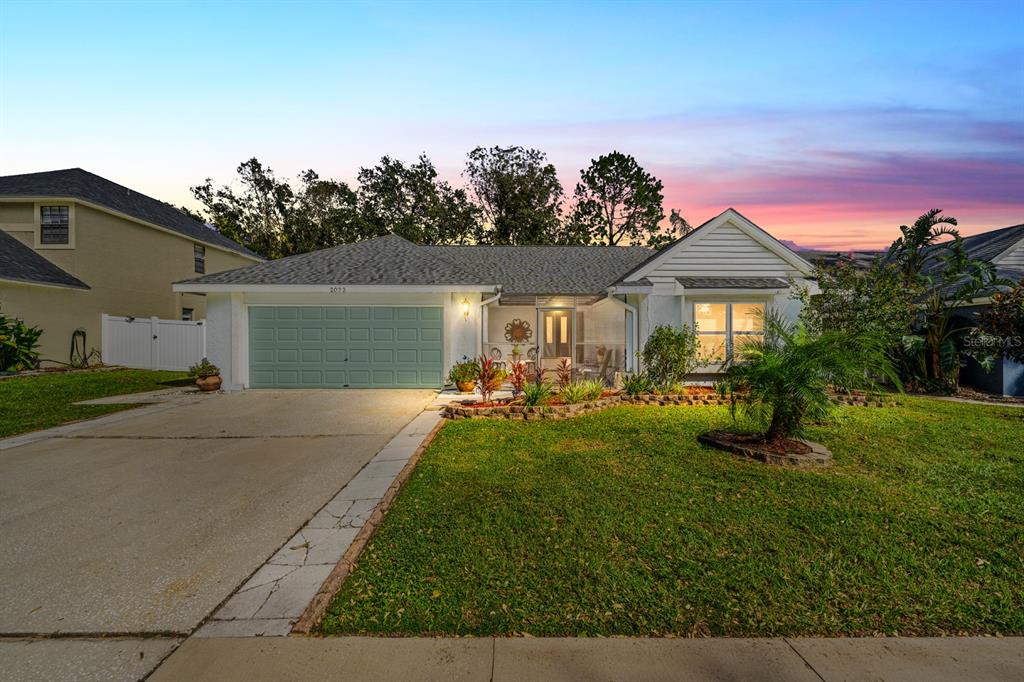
point(209, 383)
point(466, 386)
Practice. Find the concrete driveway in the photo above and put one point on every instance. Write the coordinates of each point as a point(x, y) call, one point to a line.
point(145, 525)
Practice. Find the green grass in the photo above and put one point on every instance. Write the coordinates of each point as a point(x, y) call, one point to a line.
point(620, 523)
point(39, 402)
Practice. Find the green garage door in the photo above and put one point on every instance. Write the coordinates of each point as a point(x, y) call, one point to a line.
point(340, 347)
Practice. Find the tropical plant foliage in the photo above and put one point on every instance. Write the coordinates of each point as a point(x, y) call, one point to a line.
point(1002, 323)
point(637, 383)
point(581, 391)
point(18, 344)
point(785, 379)
point(202, 369)
point(489, 378)
point(563, 371)
point(517, 377)
point(536, 393)
point(857, 301)
point(670, 354)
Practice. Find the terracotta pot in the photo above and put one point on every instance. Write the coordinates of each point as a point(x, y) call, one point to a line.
point(209, 383)
point(466, 386)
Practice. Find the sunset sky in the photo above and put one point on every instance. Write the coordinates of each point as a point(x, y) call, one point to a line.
point(826, 123)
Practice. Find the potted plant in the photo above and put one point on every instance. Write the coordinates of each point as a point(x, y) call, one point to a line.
point(207, 375)
point(463, 374)
point(515, 353)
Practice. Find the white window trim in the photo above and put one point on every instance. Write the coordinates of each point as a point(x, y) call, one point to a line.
point(728, 333)
point(37, 221)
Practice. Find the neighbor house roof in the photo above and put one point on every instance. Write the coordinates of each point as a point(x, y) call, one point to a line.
point(75, 183)
point(20, 263)
point(988, 245)
point(384, 260)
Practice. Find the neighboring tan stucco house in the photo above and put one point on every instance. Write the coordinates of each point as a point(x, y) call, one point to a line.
point(388, 313)
point(74, 246)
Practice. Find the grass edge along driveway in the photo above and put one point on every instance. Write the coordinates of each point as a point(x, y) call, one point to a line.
point(620, 523)
point(41, 401)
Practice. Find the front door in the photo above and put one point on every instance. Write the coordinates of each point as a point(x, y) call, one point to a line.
point(556, 332)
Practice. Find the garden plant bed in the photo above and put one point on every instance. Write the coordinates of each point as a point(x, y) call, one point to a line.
point(622, 523)
point(498, 409)
point(793, 452)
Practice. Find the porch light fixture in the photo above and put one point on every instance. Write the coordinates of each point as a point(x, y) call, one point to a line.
point(465, 309)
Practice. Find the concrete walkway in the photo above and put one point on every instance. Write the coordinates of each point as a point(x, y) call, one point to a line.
point(522, 660)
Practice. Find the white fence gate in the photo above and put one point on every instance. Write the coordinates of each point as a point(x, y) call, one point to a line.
point(152, 343)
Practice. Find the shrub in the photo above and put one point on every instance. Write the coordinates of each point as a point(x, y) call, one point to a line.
point(670, 354)
point(564, 372)
point(536, 393)
point(464, 370)
point(674, 388)
point(489, 378)
point(637, 383)
point(786, 379)
point(203, 369)
point(18, 344)
point(581, 391)
point(1002, 324)
point(517, 378)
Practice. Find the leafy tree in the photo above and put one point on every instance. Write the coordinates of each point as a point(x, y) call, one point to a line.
point(678, 226)
point(857, 301)
point(617, 200)
point(410, 201)
point(784, 379)
point(519, 194)
point(325, 213)
point(255, 217)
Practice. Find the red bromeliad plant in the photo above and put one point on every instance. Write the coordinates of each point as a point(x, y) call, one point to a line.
point(564, 372)
point(490, 378)
point(517, 378)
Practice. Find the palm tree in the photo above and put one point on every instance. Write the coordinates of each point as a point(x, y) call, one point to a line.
point(786, 377)
point(922, 240)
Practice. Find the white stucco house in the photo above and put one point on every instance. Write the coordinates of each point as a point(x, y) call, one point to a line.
point(388, 313)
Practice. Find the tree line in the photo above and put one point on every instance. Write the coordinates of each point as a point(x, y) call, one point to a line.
point(512, 195)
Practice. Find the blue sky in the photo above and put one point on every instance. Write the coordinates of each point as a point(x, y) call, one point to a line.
point(826, 123)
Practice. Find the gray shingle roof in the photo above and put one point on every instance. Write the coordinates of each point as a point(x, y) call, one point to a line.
point(733, 282)
point(385, 260)
point(547, 269)
point(20, 263)
point(988, 245)
point(76, 183)
point(393, 260)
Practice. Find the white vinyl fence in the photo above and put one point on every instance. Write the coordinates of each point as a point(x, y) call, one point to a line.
point(152, 343)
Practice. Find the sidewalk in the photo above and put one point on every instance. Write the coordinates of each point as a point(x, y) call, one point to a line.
point(524, 659)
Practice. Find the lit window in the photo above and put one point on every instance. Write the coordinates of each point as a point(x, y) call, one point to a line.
point(54, 225)
point(723, 328)
point(199, 252)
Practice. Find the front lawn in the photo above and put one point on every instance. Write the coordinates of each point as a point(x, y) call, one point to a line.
point(620, 523)
point(38, 402)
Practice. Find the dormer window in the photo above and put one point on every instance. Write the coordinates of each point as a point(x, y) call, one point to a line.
point(54, 225)
point(199, 251)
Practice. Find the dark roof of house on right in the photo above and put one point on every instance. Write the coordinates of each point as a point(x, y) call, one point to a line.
point(988, 245)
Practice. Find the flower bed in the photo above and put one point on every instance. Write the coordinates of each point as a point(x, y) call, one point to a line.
point(555, 410)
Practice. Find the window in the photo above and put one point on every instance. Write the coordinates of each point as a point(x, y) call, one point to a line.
point(54, 225)
point(723, 328)
point(187, 314)
point(199, 251)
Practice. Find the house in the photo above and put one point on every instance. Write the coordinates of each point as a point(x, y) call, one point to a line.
point(1004, 249)
point(386, 312)
point(74, 245)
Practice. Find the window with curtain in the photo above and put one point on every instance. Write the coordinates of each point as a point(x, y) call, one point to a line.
point(723, 328)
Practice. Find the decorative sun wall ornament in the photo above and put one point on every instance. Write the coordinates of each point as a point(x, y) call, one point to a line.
point(518, 331)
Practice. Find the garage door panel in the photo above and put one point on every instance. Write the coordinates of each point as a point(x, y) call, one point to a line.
point(336, 346)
